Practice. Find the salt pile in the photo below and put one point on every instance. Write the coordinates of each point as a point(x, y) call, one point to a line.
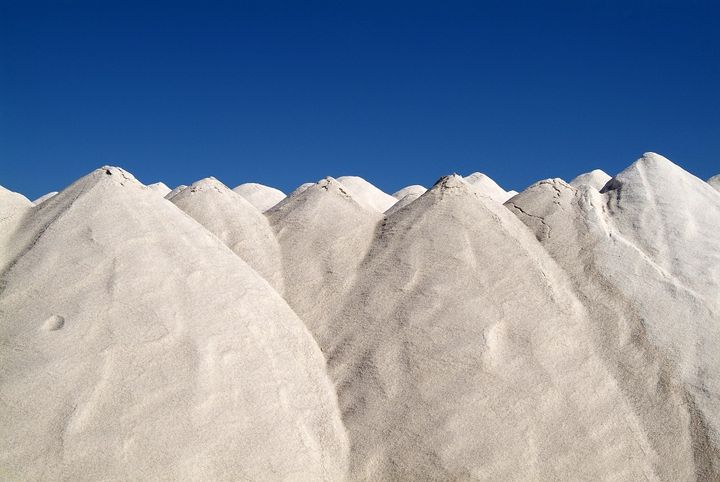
point(340, 333)
point(262, 197)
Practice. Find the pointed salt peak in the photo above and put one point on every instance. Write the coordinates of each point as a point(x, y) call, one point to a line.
point(207, 184)
point(118, 172)
point(412, 189)
point(652, 160)
point(453, 181)
point(329, 184)
point(650, 166)
point(44, 198)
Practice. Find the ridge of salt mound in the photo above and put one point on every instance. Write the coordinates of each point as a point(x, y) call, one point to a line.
point(236, 222)
point(488, 187)
point(154, 352)
point(596, 179)
point(261, 196)
point(44, 197)
point(366, 194)
point(412, 189)
point(159, 188)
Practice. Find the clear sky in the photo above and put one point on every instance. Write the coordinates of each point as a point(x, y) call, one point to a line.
point(399, 93)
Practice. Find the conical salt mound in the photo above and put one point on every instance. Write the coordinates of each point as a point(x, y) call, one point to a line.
point(137, 346)
point(643, 257)
point(236, 222)
point(488, 187)
point(595, 179)
point(324, 234)
point(366, 194)
point(262, 197)
point(461, 352)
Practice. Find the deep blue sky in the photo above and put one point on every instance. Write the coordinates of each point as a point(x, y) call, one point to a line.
point(399, 93)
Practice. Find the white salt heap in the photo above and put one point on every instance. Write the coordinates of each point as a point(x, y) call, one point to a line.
point(137, 346)
point(236, 222)
point(572, 333)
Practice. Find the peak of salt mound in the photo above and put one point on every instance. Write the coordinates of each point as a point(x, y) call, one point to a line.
point(260, 196)
point(12, 202)
point(452, 181)
point(715, 181)
point(44, 197)
point(595, 179)
point(154, 352)
point(159, 188)
point(488, 187)
point(236, 222)
point(367, 194)
point(413, 189)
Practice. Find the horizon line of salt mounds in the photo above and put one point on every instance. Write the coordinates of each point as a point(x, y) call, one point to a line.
point(569, 331)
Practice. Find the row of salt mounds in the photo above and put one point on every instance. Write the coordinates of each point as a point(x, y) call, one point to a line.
point(137, 346)
point(644, 257)
point(444, 325)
